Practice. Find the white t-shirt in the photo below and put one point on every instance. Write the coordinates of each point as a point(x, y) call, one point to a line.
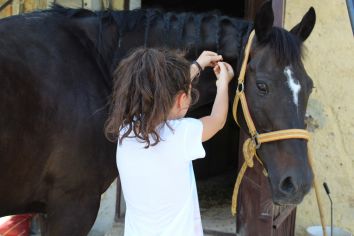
point(159, 184)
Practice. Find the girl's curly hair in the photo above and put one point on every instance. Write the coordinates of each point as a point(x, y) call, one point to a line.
point(145, 87)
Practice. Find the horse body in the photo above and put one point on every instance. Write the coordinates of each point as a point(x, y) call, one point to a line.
point(54, 157)
point(55, 80)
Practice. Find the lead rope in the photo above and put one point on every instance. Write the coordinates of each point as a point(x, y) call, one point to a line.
point(251, 144)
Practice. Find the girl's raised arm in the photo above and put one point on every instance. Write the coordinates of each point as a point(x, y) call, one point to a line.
point(217, 118)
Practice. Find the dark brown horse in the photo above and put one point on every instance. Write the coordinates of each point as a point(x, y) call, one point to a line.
point(55, 81)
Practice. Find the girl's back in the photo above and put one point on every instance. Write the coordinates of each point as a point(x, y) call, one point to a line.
point(158, 182)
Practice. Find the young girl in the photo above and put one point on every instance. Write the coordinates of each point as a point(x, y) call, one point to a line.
point(156, 144)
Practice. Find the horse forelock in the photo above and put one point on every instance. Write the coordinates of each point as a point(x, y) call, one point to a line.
point(287, 48)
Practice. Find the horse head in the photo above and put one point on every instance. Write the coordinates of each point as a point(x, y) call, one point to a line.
point(277, 88)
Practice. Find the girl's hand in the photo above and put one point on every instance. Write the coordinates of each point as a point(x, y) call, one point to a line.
point(208, 58)
point(224, 73)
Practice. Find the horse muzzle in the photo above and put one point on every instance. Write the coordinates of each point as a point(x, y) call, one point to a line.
point(291, 187)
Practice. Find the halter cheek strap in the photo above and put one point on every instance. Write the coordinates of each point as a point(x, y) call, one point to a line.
point(253, 143)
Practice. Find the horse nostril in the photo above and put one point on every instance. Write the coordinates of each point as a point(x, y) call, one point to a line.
point(288, 186)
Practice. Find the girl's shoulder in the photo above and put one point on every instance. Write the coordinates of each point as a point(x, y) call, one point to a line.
point(189, 133)
point(184, 122)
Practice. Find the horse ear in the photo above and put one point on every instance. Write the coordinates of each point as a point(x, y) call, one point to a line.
point(305, 27)
point(263, 22)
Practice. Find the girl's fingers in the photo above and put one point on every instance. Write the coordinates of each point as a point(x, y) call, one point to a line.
point(216, 58)
point(229, 69)
point(222, 65)
point(217, 69)
point(214, 63)
point(212, 60)
point(228, 66)
point(210, 53)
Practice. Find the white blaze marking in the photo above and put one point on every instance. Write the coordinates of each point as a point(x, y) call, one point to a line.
point(294, 85)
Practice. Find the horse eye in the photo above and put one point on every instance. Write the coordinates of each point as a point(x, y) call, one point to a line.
point(262, 88)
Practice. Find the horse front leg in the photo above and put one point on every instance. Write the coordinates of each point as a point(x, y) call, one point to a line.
point(71, 215)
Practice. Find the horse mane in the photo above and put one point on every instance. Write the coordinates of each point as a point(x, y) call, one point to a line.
point(69, 12)
point(171, 25)
point(149, 18)
point(128, 20)
point(287, 48)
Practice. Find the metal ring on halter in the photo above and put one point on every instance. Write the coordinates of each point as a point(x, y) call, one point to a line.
point(255, 140)
point(240, 87)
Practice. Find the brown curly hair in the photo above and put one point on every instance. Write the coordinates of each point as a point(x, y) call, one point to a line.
point(145, 87)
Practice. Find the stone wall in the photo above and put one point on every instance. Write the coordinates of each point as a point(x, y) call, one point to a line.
point(329, 60)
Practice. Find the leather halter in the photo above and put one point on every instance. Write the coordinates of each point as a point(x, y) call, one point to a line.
point(255, 141)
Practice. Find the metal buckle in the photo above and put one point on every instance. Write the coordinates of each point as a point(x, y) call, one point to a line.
point(240, 87)
point(255, 140)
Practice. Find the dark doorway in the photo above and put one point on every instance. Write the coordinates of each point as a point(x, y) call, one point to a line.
point(237, 8)
point(234, 8)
